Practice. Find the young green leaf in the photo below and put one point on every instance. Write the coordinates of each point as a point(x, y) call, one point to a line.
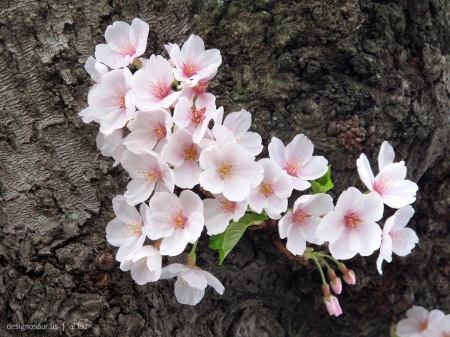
point(226, 241)
point(324, 184)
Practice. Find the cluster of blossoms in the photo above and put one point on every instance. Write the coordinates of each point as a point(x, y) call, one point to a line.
point(177, 138)
point(423, 323)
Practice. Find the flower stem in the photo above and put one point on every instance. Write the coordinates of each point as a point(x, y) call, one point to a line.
point(331, 258)
point(192, 256)
point(320, 270)
point(157, 243)
point(325, 263)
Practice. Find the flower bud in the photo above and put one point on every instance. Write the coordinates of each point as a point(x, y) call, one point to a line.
point(326, 290)
point(336, 285)
point(349, 277)
point(333, 306)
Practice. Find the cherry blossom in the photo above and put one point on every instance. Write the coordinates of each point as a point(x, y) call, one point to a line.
point(149, 131)
point(331, 302)
point(351, 228)
point(182, 153)
point(144, 264)
point(417, 321)
point(178, 220)
point(297, 160)
point(127, 229)
point(124, 43)
point(273, 191)
point(438, 328)
point(219, 211)
point(300, 224)
point(191, 282)
point(95, 69)
point(199, 90)
point(195, 118)
point(397, 238)
point(193, 62)
point(239, 123)
point(111, 101)
point(152, 85)
point(111, 145)
point(146, 172)
point(229, 170)
point(390, 183)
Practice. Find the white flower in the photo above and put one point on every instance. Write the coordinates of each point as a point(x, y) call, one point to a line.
point(177, 220)
point(124, 43)
point(300, 225)
point(239, 123)
point(397, 238)
point(438, 328)
point(95, 69)
point(111, 145)
point(152, 85)
point(230, 170)
point(297, 159)
point(144, 263)
point(127, 229)
point(417, 321)
point(181, 152)
point(195, 118)
point(219, 212)
point(193, 62)
point(145, 171)
point(111, 101)
point(272, 193)
point(351, 228)
point(191, 282)
point(390, 183)
point(148, 131)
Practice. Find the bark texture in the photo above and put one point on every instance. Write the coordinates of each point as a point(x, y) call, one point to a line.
point(347, 73)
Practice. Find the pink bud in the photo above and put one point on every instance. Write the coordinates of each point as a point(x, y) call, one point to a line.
point(349, 277)
point(333, 306)
point(336, 285)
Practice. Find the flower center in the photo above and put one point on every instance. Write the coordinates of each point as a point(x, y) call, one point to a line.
point(423, 326)
point(382, 183)
point(160, 131)
point(132, 229)
point(197, 116)
point(225, 170)
point(190, 153)
point(292, 167)
point(226, 205)
point(150, 177)
point(161, 90)
point(126, 49)
point(396, 239)
point(266, 188)
point(351, 221)
point(201, 87)
point(120, 99)
point(190, 67)
point(178, 220)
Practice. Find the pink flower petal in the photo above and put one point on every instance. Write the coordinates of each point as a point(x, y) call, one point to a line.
point(300, 149)
point(277, 152)
point(365, 171)
point(313, 169)
point(386, 155)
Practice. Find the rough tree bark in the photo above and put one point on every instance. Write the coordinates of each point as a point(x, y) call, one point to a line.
point(303, 66)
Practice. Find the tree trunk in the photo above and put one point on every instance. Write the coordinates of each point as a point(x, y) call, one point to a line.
point(349, 74)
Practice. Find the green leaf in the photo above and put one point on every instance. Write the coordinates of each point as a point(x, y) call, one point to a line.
point(226, 241)
point(215, 241)
point(324, 184)
point(231, 237)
